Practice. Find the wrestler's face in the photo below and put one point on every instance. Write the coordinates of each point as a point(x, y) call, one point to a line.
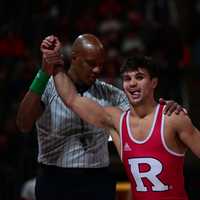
point(139, 86)
point(88, 66)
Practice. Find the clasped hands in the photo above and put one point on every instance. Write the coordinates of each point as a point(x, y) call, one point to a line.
point(51, 56)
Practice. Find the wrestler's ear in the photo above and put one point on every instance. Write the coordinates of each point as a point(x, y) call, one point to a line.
point(154, 82)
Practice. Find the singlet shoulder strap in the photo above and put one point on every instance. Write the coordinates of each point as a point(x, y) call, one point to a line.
point(123, 129)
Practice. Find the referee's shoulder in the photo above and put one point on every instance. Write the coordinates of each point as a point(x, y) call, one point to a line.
point(107, 86)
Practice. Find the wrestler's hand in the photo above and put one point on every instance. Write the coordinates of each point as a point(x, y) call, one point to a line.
point(50, 48)
point(172, 107)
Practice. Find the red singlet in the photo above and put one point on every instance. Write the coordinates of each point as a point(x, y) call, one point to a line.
point(155, 171)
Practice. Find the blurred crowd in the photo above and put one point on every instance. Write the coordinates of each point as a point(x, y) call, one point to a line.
point(155, 27)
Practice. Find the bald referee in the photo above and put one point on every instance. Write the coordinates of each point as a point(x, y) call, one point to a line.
point(73, 155)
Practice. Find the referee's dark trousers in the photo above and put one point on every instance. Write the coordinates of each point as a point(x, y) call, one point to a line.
point(55, 183)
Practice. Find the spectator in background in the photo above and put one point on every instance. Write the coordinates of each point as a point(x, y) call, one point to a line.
point(166, 47)
point(28, 190)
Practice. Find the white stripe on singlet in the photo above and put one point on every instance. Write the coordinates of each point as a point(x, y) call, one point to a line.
point(65, 140)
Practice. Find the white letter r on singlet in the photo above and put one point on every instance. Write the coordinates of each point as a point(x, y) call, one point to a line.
point(151, 175)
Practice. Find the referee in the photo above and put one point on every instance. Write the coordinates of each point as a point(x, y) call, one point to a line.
point(73, 155)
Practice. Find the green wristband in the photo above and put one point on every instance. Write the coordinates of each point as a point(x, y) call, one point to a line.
point(39, 83)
